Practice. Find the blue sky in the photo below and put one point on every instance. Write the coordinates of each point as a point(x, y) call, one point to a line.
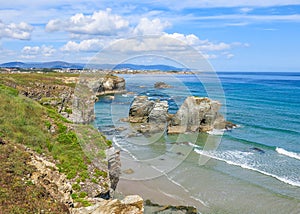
point(239, 35)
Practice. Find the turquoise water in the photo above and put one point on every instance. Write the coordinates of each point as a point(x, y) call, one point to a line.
point(254, 168)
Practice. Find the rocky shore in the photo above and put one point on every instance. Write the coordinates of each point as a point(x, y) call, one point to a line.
point(91, 189)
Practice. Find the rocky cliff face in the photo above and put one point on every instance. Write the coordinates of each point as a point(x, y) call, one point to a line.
point(86, 92)
point(103, 84)
point(196, 114)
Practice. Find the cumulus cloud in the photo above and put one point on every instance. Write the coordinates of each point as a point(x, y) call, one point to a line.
point(99, 23)
point(90, 45)
point(175, 41)
point(150, 27)
point(20, 31)
point(201, 45)
point(34, 51)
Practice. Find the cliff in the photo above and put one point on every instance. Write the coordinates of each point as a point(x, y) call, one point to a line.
point(50, 164)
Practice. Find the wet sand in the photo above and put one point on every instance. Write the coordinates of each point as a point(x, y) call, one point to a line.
point(159, 190)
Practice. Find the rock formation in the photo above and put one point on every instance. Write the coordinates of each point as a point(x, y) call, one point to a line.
point(48, 176)
point(149, 116)
point(161, 85)
point(86, 92)
point(106, 84)
point(196, 114)
point(114, 166)
point(132, 204)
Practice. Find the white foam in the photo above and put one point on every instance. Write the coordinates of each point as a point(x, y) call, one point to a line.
point(216, 132)
point(245, 166)
point(121, 147)
point(170, 179)
point(287, 153)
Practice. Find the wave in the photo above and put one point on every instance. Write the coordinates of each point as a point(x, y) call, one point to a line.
point(216, 132)
point(287, 153)
point(248, 142)
point(117, 143)
point(245, 166)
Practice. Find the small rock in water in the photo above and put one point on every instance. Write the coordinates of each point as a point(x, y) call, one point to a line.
point(161, 85)
point(255, 149)
point(128, 171)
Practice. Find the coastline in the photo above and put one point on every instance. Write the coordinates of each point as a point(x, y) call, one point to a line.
point(160, 191)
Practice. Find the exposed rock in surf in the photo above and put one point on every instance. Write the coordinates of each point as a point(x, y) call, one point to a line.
point(150, 116)
point(144, 110)
point(162, 85)
point(140, 109)
point(157, 208)
point(196, 114)
point(255, 149)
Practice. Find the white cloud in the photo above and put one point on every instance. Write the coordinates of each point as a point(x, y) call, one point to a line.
point(20, 31)
point(150, 27)
point(34, 51)
point(246, 9)
point(175, 42)
point(90, 45)
point(99, 23)
point(201, 45)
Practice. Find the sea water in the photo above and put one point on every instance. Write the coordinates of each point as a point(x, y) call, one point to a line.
point(254, 168)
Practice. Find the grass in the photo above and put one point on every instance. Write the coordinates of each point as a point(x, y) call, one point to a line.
point(27, 79)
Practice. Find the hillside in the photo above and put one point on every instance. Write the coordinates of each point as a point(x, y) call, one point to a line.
point(30, 131)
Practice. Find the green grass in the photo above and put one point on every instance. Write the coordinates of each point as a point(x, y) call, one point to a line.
point(26, 79)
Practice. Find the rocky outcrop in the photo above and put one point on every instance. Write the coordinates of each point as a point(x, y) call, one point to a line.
point(48, 176)
point(140, 109)
point(86, 92)
point(83, 108)
point(59, 92)
point(160, 209)
point(132, 204)
point(114, 167)
point(162, 85)
point(147, 115)
point(196, 114)
point(143, 110)
point(159, 113)
point(106, 84)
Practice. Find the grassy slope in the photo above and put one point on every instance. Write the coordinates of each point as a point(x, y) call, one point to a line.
point(24, 121)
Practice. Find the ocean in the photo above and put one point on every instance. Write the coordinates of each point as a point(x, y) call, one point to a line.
point(254, 168)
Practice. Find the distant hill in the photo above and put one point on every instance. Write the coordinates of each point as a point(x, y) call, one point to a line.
point(54, 64)
point(61, 64)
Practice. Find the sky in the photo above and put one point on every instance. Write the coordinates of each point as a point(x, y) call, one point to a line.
point(237, 35)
